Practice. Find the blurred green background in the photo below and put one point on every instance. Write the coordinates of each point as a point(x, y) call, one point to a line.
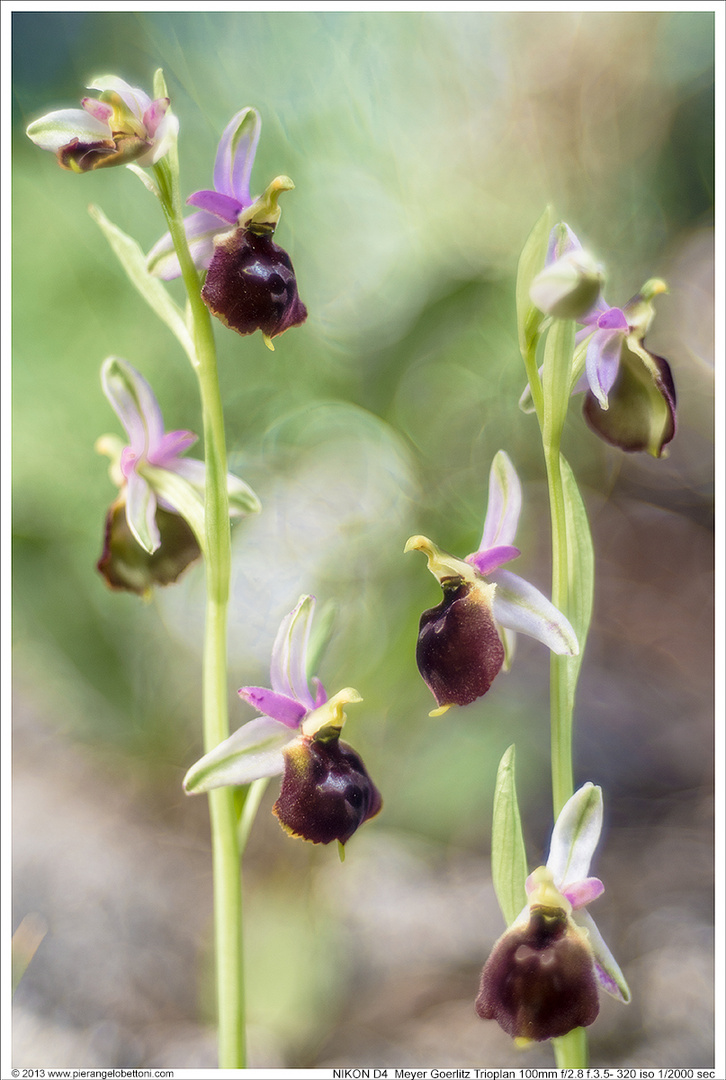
point(423, 147)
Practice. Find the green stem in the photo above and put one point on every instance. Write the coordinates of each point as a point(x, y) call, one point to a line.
point(560, 701)
point(571, 1050)
point(223, 817)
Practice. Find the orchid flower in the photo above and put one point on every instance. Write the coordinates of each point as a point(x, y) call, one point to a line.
point(630, 396)
point(219, 209)
point(155, 527)
point(326, 792)
point(465, 641)
point(123, 125)
point(543, 975)
point(250, 283)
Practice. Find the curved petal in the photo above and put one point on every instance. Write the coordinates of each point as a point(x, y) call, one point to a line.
point(100, 109)
point(562, 242)
point(279, 706)
point(135, 404)
point(575, 836)
point(166, 134)
point(582, 893)
point(242, 499)
point(222, 206)
point(154, 115)
point(137, 101)
point(288, 665)
point(141, 513)
point(504, 504)
point(492, 558)
point(169, 446)
point(521, 607)
point(607, 970)
point(201, 228)
point(236, 154)
point(253, 751)
point(602, 362)
point(57, 129)
point(642, 412)
point(613, 319)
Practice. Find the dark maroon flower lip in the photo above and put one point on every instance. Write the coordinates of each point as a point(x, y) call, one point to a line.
point(251, 284)
point(326, 792)
point(459, 651)
point(539, 982)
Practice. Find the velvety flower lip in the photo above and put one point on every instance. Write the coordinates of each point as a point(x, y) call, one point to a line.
point(542, 976)
point(470, 636)
point(326, 792)
point(220, 208)
point(251, 285)
point(121, 126)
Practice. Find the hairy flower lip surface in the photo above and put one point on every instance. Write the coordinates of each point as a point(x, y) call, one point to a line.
point(326, 792)
point(469, 637)
point(250, 285)
point(539, 981)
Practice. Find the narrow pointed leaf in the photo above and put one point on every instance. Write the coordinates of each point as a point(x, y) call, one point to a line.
point(531, 261)
point(509, 861)
point(580, 571)
point(151, 289)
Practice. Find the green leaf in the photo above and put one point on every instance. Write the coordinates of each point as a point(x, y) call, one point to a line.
point(509, 861)
point(531, 261)
point(159, 84)
point(580, 570)
point(559, 348)
point(151, 288)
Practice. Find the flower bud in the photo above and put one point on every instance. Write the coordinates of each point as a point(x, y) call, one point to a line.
point(459, 651)
point(569, 287)
point(539, 982)
point(251, 284)
point(326, 792)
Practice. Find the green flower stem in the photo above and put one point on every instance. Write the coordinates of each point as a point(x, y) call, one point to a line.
point(223, 816)
point(571, 1049)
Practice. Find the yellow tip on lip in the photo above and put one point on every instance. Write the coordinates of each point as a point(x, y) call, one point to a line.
point(440, 711)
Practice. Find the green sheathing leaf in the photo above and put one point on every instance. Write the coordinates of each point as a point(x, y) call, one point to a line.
point(580, 571)
point(509, 861)
point(151, 288)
